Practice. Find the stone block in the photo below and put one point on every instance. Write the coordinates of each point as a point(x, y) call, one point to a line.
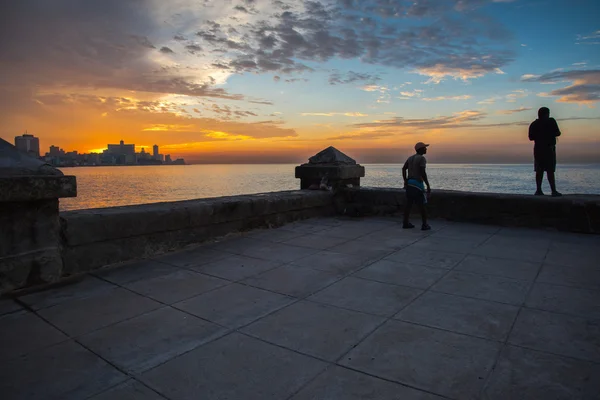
point(234, 305)
point(565, 335)
point(486, 287)
point(23, 333)
point(412, 275)
point(64, 371)
point(345, 384)
point(85, 315)
point(234, 367)
point(26, 269)
point(130, 390)
point(366, 296)
point(292, 281)
point(475, 317)
point(314, 329)
point(440, 362)
point(143, 342)
point(35, 188)
point(176, 286)
point(532, 375)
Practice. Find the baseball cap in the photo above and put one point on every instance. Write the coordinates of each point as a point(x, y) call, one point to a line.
point(420, 145)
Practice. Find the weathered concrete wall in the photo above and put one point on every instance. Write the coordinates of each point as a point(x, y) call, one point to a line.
point(97, 237)
point(30, 248)
point(574, 213)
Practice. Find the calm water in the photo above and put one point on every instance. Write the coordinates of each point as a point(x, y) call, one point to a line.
point(116, 186)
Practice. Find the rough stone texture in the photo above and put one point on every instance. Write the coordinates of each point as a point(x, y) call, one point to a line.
point(98, 237)
point(339, 169)
point(574, 213)
point(30, 232)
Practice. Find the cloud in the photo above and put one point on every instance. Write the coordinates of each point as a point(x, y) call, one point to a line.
point(585, 87)
point(331, 114)
point(454, 98)
point(514, 111)
point(362, 136)
point(590, 38)
point(456, 120)
point(337, 78)
point(166, 50)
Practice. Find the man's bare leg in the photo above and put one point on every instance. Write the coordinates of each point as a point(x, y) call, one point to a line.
point(407, 209)
point(539, 177)
point(423, 210)
point(552, 182)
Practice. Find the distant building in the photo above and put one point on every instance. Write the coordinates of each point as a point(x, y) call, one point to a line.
point(155, 151)
point(120, 153)
point(28, 144)
point(168, 159)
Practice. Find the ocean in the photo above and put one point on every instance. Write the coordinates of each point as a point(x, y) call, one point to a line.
point(118, 186)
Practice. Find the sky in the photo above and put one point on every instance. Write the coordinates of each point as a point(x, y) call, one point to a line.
point(276, 81)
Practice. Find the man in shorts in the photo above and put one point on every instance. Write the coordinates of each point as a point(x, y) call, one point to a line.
point(414, 175)
point(544, 131)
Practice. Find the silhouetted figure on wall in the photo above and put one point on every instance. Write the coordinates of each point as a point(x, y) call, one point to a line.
point(414, 182)
point(544, 131)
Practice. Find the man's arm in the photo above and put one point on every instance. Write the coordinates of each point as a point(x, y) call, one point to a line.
point(556, 130)
point(424, 176)
point(531, 133)
point(404, 169)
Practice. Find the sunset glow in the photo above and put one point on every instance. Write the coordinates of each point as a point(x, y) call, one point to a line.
point(224, 81)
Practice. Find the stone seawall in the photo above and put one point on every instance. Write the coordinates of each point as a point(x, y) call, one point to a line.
point(98, 237)
point(573, 213)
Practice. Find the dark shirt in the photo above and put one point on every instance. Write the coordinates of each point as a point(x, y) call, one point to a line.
point(544, 132)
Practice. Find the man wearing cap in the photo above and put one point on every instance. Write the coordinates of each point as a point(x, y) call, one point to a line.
point(544, 131)
point(414, 182)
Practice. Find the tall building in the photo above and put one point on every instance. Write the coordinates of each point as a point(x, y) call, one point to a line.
point(155, 151)
point(28, 144)
point(121, 149)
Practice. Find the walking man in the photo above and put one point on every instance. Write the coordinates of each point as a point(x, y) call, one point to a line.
point(544, 131)
point(413, 184)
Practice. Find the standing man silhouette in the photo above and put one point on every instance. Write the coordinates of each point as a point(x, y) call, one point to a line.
point(415, 179)
point(544, 131)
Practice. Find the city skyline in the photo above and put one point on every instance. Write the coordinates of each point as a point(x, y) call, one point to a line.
point(261, 81)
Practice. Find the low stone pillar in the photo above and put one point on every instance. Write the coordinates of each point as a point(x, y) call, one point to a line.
point(337, 168)
point(30, 243)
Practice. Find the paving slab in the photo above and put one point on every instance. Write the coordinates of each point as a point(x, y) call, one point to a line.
point(278, 252)
point(25, 332)
point(576, 256)
point(292, 281)
point(569, 300)
point(475, 317)
point(366, 296)
point(366, 249)
point(426, 256)
point(135, 271)
point(234, 367)
point(447, 244)
point(8, 306)
point(129, 390)
point(499, 266)
point(391, 238)
point(557, 333)
point(387, 271)
point(532, 375)
point(144, 342)
point(235, 267)
point(331, 261)
point(274, 235)
point(88, 286)
point(515, 251)
point(486, 287)
point(176, 286)
point(314, 329)
point(234, 305)
point(574, 275)
point(316, 241)
point(81, 316)
point(192, 257)
point(338, 383)
point(440, 362)
point(65, 371)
